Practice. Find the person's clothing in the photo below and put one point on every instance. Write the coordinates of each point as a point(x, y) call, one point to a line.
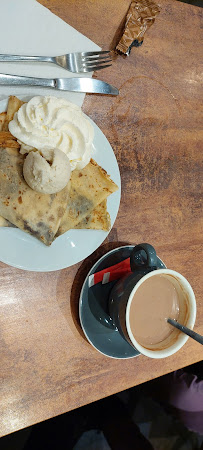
point(108, 415)
point(182, 390)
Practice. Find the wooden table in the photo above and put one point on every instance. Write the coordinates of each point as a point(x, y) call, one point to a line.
point(154, 127)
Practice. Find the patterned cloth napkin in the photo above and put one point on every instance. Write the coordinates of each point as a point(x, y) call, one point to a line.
point(28, 28)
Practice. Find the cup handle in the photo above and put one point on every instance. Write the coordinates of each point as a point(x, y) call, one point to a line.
point(151, 262)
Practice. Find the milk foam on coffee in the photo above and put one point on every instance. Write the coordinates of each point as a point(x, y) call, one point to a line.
point(155, 300)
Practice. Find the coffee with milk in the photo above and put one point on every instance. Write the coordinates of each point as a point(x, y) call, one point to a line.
point(153, 302)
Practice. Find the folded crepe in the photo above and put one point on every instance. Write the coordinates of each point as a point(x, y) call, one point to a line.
point(14, 104)
point(2, 120)
point(82, 204)
point(98, 219)
point(89, 187)
point(5, 223)
point(35, 213)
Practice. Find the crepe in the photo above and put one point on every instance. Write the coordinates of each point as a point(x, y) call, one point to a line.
point(81, 205)
point(89, 187)
point(35, 213)
point(14, 104)
point(98, 219)
point(5, 223)
point(2, 120)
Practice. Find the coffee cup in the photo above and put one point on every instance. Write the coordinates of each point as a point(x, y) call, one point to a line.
point(140, 302)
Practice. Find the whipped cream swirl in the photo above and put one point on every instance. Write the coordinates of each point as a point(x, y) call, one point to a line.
point(50, 122)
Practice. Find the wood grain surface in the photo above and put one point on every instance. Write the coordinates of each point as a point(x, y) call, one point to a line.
point(154, 127)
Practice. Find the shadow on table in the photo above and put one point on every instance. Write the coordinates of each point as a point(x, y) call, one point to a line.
point(81, 275)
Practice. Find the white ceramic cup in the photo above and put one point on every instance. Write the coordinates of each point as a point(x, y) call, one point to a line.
point(187, 314)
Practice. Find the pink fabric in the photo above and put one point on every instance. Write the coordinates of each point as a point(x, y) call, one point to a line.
point(184, 392)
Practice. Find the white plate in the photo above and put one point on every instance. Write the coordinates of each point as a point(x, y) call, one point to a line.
point(21, 250)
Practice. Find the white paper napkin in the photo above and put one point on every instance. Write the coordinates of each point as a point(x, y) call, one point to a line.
point(28, 28)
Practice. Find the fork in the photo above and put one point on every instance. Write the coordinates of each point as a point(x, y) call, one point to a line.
point(74, 62)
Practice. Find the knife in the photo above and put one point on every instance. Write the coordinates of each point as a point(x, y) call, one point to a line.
point(87, 85)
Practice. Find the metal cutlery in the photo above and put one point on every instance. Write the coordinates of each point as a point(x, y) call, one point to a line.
point(74, 62)
point(87, 85)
